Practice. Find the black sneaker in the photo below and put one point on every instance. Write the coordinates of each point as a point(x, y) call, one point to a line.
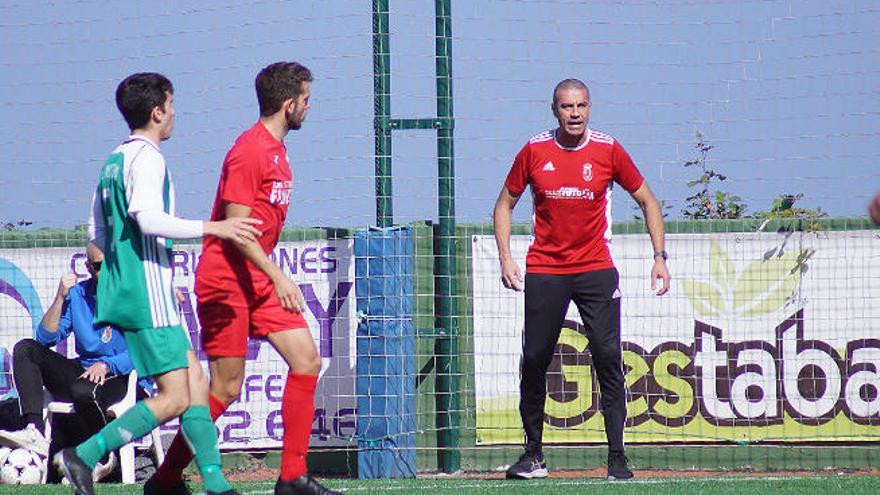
point(153, 487)
point(529, 466)
point(227, 492)
point(75, 470)
point(304, 485)
point(617, 469)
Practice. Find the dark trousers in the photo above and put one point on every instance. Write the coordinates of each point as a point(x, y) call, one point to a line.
point(598, 301)
point(35, 367)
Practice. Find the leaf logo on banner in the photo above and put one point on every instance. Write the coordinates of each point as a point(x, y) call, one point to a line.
point(764, 286)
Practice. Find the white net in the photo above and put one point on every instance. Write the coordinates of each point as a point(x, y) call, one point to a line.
point(784, 92)
point(764, 337)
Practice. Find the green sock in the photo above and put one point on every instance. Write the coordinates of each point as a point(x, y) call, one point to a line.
point(201, 435)
point(135, 423)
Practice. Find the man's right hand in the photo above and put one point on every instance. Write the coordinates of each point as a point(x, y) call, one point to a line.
point(511, 277)
point(65, 284)
point(237, 229)
point(290, 295)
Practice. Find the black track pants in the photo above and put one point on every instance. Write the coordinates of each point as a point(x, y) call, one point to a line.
point(597, 298)
point(35, 367)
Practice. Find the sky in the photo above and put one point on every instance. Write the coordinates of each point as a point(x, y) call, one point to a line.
point(786, 92)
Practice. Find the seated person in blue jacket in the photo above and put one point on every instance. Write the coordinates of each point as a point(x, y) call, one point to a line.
point(94, 380)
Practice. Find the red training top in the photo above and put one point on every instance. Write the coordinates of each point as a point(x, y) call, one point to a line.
point(571, 193)
point(256, 173)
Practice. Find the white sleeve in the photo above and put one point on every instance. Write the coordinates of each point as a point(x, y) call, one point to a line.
point(159, 223)
point(97, 235)
point(145, 191)
point(145, 181)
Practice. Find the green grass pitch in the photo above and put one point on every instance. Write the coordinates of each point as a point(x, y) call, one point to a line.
point(702, 486)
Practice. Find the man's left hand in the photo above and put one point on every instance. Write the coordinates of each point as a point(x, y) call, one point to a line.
point(660, 272)
point(96, 373)
point(178, 294)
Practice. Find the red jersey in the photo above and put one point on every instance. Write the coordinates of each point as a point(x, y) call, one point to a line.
point(571, 193)
point(256, 173)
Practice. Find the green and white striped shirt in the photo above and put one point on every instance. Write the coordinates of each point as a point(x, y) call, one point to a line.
point(135, 284)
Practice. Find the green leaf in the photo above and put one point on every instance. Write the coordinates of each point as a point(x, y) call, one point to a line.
point(704, 297)
point(764, 286)
point(776, 299)
point(720, 267)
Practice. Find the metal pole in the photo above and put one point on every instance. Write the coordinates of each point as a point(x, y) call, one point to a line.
point(446, 347)
point(382, 107)
point(446, 343)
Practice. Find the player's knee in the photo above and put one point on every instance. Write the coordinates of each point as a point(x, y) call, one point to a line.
point(178, 404)
point(533, 359)
point(82, 390)
point(171, 404)
point(609, 358)
point(24, 347)
point(313, 364)
point(228, 391)
point(198, 382)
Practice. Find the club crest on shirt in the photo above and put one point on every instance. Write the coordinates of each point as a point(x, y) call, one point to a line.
point(588, 172)
point(106, 334)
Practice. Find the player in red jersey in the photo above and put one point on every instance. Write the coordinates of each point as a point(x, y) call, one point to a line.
point(571, 170)
point(243, 294)
point(874, 210)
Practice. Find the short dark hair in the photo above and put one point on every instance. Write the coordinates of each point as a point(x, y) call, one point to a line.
point(570, 84)
point(138, 94)
point(279, 82)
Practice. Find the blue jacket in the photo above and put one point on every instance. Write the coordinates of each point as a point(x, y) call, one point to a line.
point(93, 342)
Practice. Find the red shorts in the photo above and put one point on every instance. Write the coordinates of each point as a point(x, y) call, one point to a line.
point(230, 313)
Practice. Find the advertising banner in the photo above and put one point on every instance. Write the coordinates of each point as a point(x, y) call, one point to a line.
point(325, 274)
point(763, 337)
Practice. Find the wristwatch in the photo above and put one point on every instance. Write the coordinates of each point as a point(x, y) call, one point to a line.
point(663, 254)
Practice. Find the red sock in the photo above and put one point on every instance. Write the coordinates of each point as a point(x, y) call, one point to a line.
point(297, 414)
point(178, 456)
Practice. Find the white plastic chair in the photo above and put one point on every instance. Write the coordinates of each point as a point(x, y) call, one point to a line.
point(126, 452)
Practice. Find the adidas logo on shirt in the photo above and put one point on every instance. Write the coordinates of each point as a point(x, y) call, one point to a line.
point(548, 167)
